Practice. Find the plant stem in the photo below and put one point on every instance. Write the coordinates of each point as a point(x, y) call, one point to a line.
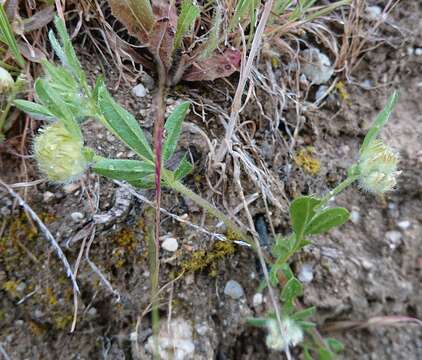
point(338, 189)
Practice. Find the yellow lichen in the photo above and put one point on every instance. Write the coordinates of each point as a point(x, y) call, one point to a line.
point(202, 259)
point(344, 95)
point(51, 298)
point(306, 160)
point(10, 287)
point(62, 322)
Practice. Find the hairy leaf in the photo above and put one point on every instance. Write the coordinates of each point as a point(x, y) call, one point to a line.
point(128, 170)
point(301, 211)
point(183, 169)
point(185, 22)
point(214, 37)
point(122, 123)
point(216, 66)
point(326, 220)
point(380, 121)
point(173, 129)
point(34, 110)
point(55, 104)
point(304, 314)
point(7, 36)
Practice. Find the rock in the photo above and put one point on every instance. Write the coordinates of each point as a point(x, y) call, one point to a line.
point(233, 289)
point(418, 51)
point(174, 341)
point(404, 225)
point(257, 299)
point(71, 188)
point(139, 91)
point(47, 196)
point(354, 216)
point(170, 244)
point(306, 273)
point(148, 81)
point(393, 238)
point(77, 216)
point(322, 90)
point(317, 66)
point(374, 12)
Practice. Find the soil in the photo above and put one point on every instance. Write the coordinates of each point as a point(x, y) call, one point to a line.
point(368, 269)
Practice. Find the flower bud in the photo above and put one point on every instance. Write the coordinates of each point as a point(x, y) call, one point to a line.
point(290, 334)
point(6, 81)
point(60, 156)
point(378, 167)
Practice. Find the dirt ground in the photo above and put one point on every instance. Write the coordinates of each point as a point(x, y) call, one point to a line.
point(371, 267)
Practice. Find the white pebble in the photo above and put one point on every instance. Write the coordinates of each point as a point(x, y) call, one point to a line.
point(47, 196)
point(139, 91)
point(374, 12)
point(317, 66)
point(233, 289)
point(77, 216)
point(306, 273)
point(170, 244)
point(257, 299)
point(404, 225)
point(70, 188)
point(418, 51)
point(354, 216)
point(393, 238)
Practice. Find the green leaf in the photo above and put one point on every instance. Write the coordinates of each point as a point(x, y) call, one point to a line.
point(301, 211)
point(283, 248)
point(324, 354)
point(335, 345)
point(183, 169)
point(7, 36)
point(146, 183)
point(128, 170)
point(122, 123)
point(259, 322)
point(306, 325)
point(185, 21)
point(173, 129)
point(50, 99)
point(214, 36)
point(291, 290)
point(326, 220)
point(380, 121)
point(306, 354)
point(69, 52)
point(34, 110)
point(303, 314)
point(57, 47)
point(60, 76)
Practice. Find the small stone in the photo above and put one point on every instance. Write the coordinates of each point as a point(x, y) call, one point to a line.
point(148, 81)
point(77, 216)
point(317, 66)
point(306, 273)
point(110, 138)
point(233, 289)
point(404, 225)
point(47, 196)
point(92, 312)
point(354, 216)
point(201, 329)
point(71, 188)
point(367, 84)
point(139, 91)
point(393, 238)
point(257, 299)
point(21, 287)
point(38, 314)
point(374, 12)
point(418, 51)
point(170, 244)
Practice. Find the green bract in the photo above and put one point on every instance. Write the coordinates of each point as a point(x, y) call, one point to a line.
point(60, 156)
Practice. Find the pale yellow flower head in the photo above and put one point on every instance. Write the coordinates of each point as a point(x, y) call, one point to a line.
point(60, 156)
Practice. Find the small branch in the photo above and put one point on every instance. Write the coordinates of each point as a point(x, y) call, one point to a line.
point(46, 233)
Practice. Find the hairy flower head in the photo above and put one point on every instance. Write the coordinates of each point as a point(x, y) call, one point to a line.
point(60, 155)
point(6, 81)
point(378, 167)
point(290, 334)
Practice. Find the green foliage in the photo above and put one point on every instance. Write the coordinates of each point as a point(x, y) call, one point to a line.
point(34, 110)
point(173, 129)
point(185, 21)
point(326, 220)
point(380, 121)
point(7, 36)
point(302, 210)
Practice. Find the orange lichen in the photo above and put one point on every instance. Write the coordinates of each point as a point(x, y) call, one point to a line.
point(306, 160)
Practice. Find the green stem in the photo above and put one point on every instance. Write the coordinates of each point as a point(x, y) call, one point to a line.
point(338, 189)
point(182, 189)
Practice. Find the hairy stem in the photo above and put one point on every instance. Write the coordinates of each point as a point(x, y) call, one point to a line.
point(338, 189)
